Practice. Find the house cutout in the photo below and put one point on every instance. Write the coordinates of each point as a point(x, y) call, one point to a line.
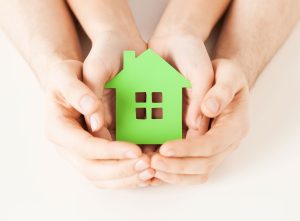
point(148, 99)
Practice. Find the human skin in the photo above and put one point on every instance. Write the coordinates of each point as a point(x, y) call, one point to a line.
point(117, 23)
point(252, 33)
point(112, 30)
point(179, 38)
point(52, 49)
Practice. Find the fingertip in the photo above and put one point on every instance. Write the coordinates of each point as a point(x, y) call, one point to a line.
point(88, 104)
point(96, 121)
point(167, 150)
point(132, 151)
point(210, 107)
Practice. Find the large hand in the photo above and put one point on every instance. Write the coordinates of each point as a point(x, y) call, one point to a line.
point(106, 163)
point(193, 159)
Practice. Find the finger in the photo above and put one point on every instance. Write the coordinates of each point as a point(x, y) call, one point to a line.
point(228, 82)
point(66, 131)
point(127, 182)
point(227, 129)
point(74, 91)
point(96, 73)
point(180, 179)
point(106, 169)
point(183, 165)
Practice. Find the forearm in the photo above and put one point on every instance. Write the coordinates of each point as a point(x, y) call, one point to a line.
point(254, 30)
point(193, 16)
point(100, 17)
point(42, 31)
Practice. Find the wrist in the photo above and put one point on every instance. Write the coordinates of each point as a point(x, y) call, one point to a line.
point(196, 17)
point(117, 21)
point(116, 31)
point(236, 67)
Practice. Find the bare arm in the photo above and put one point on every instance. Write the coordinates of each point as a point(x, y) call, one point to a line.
point(99, 17)
point(253, 32)
point(42, 31)
point(196, 17)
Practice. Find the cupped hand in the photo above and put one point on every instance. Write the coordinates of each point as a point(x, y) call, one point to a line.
point(192, 160)
point(108, 164)
point(187, 53)
point(102, 63)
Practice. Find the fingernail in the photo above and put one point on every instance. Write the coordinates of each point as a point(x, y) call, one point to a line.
point(146, 175)
point(131, 155)
point(212, 105)
point(94, 123)
point(141, 165)
point(87, 103)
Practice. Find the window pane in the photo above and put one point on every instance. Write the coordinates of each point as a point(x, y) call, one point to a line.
point(140, 97)
point(157, 113)
point(157, 97)
point(140, 113)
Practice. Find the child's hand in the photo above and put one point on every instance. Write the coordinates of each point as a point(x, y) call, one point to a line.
point(193, 159)
point(102, 63)
point(106, 163)
point(188, 54)
point(112, 30)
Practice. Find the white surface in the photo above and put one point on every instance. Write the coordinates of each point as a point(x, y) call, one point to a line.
point(259, 181)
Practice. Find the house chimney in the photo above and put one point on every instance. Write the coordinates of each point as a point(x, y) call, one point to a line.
point(128, 58)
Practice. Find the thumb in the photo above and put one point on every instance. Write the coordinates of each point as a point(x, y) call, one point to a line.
point(229, 80)
point(95, 75)
point(75, 92)
point(201, 77)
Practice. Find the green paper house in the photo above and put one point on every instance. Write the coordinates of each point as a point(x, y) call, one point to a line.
point(148, 99)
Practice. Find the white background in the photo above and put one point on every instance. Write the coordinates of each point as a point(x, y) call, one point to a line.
point(259, 181)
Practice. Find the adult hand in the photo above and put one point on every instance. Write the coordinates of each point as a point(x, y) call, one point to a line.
point(106, 163)
point(192, 160)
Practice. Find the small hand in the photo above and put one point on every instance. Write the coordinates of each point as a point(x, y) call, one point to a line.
point(188, 54)
point(106, 163)
point(193, 159)
point(102, 63)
